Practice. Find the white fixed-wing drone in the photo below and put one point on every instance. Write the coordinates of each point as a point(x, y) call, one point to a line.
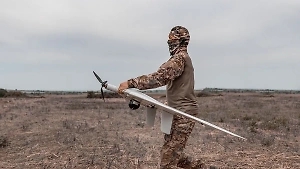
point(137, 98)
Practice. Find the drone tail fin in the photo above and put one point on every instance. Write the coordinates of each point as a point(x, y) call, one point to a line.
point(151, 113)
point(166, 122)
point(166, 119)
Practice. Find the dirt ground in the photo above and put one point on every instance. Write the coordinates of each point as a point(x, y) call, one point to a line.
point(72, 131)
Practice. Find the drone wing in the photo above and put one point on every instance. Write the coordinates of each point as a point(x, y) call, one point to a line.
point(168, 112)
point(153, 105)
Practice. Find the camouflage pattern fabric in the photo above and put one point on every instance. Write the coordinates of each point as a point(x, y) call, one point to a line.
point(167, 72)
point(179, 38)
point(188, 163)
point(172, 155)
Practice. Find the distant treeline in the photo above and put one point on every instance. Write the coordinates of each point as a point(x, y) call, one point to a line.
point(251, 90)
point(91, 94)
point(11, 93)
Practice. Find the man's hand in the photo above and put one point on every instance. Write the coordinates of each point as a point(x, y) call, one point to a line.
point(122, 87)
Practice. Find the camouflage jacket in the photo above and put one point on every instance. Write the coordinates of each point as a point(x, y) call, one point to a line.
point(167, 72)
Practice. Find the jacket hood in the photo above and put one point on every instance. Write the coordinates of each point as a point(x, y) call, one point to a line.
point(179, 38)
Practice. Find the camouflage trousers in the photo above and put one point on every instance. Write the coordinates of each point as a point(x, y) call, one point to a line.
point(172, 155)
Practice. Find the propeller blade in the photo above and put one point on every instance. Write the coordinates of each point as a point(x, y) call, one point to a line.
point(99, 79)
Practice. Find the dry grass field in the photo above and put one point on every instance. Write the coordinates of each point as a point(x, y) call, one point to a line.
point(72, 131)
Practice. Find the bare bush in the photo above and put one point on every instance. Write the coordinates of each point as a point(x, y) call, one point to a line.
point(92, 94)
point(268, 141)
point(203, 94)
point(3, 141)
point(2, 92)
point(275, 123)
point(15, 94)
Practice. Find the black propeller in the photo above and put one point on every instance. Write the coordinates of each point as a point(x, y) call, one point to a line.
point(103, 84)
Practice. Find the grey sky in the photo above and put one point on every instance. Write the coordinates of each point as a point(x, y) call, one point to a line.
point(55, 45)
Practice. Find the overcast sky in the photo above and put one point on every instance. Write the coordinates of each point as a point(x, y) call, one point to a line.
point(55, 45)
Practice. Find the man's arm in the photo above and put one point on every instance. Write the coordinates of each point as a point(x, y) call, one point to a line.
point(168, 71)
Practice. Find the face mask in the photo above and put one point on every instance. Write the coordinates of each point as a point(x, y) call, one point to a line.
point(173, 46)
point(178, 39)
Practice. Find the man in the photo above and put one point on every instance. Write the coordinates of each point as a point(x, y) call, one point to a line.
point(178, 76)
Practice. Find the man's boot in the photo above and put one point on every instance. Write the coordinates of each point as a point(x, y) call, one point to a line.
point(187, 163)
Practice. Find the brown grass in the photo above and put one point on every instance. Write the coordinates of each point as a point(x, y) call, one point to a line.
point(72, 131)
